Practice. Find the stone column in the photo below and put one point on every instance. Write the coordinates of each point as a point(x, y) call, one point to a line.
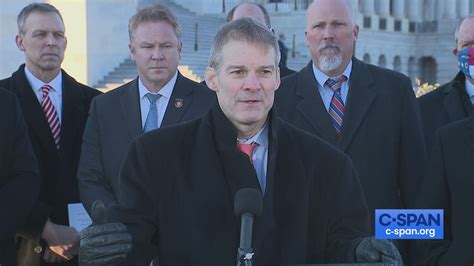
point(414, 10)
point(463, 8)
point(398, 7)
point(439, 9)
point(368, 7)
point(450, 9)
point(382, 8)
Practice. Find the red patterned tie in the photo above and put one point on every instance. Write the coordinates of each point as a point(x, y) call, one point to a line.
point(336, 108)
point(51, 114)
point(247, 149)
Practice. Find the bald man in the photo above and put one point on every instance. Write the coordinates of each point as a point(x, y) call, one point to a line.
point(260, 14)
point(454, 100)
point(367, 112)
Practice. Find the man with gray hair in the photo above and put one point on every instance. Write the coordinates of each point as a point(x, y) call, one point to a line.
point(365, 111)
point(55, 108)
point(183, 179)
point(454, 100)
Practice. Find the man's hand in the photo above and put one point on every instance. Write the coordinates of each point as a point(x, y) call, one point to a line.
point(103, 243)
point(378, 250)
point(62, 240)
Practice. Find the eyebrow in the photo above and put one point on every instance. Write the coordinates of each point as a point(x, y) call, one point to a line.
point(243, 66)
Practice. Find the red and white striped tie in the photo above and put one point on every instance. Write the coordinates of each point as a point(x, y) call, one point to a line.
point(336, 108)
point(51, 114)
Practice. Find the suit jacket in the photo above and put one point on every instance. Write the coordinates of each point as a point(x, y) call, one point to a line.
point(447, 185)
point(115, 121)
point(381, 131)
point(447, 104)
point(18, 174)
point(58, 168)
point(182, 181)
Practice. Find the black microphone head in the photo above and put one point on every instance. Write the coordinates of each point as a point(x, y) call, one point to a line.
point(248, 200)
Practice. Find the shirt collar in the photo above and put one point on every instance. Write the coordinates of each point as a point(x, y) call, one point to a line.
point(469, 88)
point(261, 138)
point(166, 91)
point(36, 83)
point(321, 78)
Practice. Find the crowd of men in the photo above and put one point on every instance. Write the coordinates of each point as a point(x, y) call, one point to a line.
point(157, 162)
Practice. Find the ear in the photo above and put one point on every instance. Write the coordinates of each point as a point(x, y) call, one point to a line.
point(356, 32)
point(131, 48)
point(211, 78)
point(306, 36)
point(455, 51)
point(278, 80)
point(19, 42)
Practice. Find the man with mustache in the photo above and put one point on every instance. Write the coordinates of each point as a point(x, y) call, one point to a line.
point(160, 96)
point(55, 108)
point(184, 178)
point(367, 112)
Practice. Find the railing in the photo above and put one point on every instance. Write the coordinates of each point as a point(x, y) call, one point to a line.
point(287, 5)
point(272, 5)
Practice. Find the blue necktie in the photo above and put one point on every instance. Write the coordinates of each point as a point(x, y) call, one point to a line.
point(151, 122)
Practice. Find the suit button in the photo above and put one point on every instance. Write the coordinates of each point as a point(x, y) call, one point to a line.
point(38, 249)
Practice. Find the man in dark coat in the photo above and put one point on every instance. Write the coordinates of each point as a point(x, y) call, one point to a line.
point(454, 100)
point(118, 117)
point(19, 178)
point(177, 184)
point(55, 107)
point(369, 113)
point(448, 183)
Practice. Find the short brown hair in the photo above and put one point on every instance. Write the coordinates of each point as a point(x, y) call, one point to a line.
point(32, 8)
point(246, 30)
point(155, 13)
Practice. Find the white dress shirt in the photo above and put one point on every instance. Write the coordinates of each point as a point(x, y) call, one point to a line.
point(55, 94)
point(326, 92)
point(260, 154)
point(161, 103)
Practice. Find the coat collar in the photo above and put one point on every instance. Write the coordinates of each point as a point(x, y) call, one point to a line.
point(73, 100)
point(238, 171)
point(130, 103)
point(180, 100)
point(361, 95)
point(456, 101)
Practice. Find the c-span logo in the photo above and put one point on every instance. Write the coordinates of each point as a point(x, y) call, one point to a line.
point(408, 224)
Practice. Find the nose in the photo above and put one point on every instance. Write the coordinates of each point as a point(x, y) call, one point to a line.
point(328, 33)
point(157, 54)
point(251, 82)
point(50, 40)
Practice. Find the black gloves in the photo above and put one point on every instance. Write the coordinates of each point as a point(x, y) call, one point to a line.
point(378, 250)
point(103, 243)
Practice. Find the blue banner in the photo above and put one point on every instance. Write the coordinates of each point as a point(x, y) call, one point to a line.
point(409, 224)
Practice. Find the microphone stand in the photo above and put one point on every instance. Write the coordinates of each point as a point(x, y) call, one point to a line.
point(245, 252)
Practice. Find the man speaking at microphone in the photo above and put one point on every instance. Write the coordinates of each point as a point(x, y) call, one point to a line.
point(177, 184)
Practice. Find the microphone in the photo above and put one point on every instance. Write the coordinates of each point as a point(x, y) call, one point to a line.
point(248, 203)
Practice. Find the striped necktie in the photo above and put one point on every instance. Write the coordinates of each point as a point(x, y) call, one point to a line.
point(51, 114)
point(336, 108)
